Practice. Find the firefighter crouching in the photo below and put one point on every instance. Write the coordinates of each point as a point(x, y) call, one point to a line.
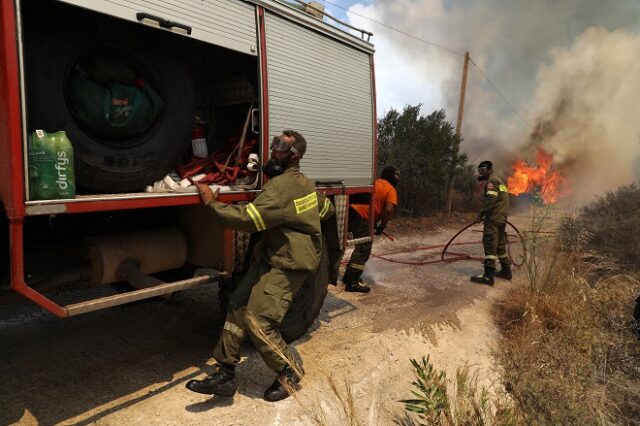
point(494, 215)
point(288, 213)
point(384, 206)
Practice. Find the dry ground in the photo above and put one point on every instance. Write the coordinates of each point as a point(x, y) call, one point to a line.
point(128, 365)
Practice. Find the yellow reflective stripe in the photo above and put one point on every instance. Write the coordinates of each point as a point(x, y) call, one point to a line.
point(503, 256)
point(490, 257)
point(233, 329)
point(255, 216)
point(492, 192)
point(356, 266)
point(503, 188)
point(306, 203)
point(325, 208)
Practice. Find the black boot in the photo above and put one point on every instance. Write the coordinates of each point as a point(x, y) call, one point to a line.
point(285, 384)
point(348, 276)
point(358, 287)
point(486, 278)
point(220, 383)
point(505, 270)
point(352, 282)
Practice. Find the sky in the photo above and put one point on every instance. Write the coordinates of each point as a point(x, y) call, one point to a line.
point(567, 76)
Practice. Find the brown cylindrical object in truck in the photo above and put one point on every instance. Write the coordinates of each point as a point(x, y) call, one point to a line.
point(155, 250)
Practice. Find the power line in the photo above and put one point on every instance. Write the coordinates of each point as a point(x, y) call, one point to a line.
point(501, 95)
point(395, 29)
point(504, 99)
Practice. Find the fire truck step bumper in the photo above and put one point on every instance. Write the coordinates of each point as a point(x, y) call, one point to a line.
point(132, 296)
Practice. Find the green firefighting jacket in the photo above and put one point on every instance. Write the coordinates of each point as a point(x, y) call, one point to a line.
point(496, 200)
point(288, 211)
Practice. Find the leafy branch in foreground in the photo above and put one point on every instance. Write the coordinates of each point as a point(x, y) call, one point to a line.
point(434, 404)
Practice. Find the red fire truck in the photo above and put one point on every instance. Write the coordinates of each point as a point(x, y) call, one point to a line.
point(220, 71)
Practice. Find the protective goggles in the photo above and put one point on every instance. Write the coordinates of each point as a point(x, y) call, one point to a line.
point(280, 145)
point(483, 169)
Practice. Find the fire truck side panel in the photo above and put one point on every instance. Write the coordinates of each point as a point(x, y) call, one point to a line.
point(226, 23)
point(322, 88)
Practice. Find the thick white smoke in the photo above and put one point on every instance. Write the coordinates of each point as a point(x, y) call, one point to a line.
point(587, 110)
point(571, 64)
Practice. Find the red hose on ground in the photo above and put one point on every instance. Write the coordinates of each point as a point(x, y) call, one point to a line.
point(455, 256)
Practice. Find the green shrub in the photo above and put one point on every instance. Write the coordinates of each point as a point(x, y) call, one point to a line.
point(609, 227)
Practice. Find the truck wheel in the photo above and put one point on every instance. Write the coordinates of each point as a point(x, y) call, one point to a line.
point(117, 165)
point(307, 302)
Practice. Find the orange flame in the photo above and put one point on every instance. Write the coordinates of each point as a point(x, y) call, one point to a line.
point(549, 183)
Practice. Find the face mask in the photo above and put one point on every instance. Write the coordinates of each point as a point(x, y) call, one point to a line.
point(274, 167)
point(393, 180)
point(391, 175)
point(482, 176)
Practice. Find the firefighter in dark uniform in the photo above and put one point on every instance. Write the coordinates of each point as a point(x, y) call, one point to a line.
point(494, 216)
point(288, 213)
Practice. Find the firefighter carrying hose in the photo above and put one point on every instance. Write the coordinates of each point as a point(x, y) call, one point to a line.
point(494, 216)
point(287, 213)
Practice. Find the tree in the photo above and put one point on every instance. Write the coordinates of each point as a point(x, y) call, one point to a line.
point(426, 150)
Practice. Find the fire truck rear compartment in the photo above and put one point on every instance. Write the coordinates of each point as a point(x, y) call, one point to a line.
point(206, 90)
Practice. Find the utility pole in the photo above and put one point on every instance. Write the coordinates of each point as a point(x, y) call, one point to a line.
point(463, 91)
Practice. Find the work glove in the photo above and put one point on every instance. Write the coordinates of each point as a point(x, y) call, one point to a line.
point(379, 229)
point(480, 217)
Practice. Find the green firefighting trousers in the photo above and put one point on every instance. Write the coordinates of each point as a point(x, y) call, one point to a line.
point(494, 241)
point(359, 228)
point(256, 308)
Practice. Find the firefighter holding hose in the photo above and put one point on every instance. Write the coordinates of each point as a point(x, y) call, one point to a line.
point(494, 217)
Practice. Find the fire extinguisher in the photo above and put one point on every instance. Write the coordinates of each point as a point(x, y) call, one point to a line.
point(198, 139)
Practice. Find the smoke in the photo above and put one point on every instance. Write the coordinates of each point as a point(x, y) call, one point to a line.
point(587, 107)
point(568, 67)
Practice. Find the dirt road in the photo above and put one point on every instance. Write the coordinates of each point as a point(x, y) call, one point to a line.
point(128, 365)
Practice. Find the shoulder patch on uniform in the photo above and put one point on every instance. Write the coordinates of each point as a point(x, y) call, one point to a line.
point(490, 185)
point(306, 203)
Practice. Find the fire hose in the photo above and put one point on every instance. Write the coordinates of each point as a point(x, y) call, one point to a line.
point(513, 262)
point(223, 167)
point(445, 251)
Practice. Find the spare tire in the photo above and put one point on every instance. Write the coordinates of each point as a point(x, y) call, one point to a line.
point(307, 302)
point(102, 164)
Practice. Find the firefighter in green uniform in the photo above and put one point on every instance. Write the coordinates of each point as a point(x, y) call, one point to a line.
point(494, 215)
point(288, 213)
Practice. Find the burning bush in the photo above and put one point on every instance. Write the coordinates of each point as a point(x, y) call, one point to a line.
point(540, 179)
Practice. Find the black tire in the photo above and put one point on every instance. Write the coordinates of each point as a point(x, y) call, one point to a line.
point(307, 302)
point(102, 165)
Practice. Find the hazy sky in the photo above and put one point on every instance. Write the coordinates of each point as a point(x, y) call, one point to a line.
point(570, 66)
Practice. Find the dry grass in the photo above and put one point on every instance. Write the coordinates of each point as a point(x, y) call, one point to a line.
point(568, 355)
point(262, 335)
point(333, 404)
point(340, 396)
